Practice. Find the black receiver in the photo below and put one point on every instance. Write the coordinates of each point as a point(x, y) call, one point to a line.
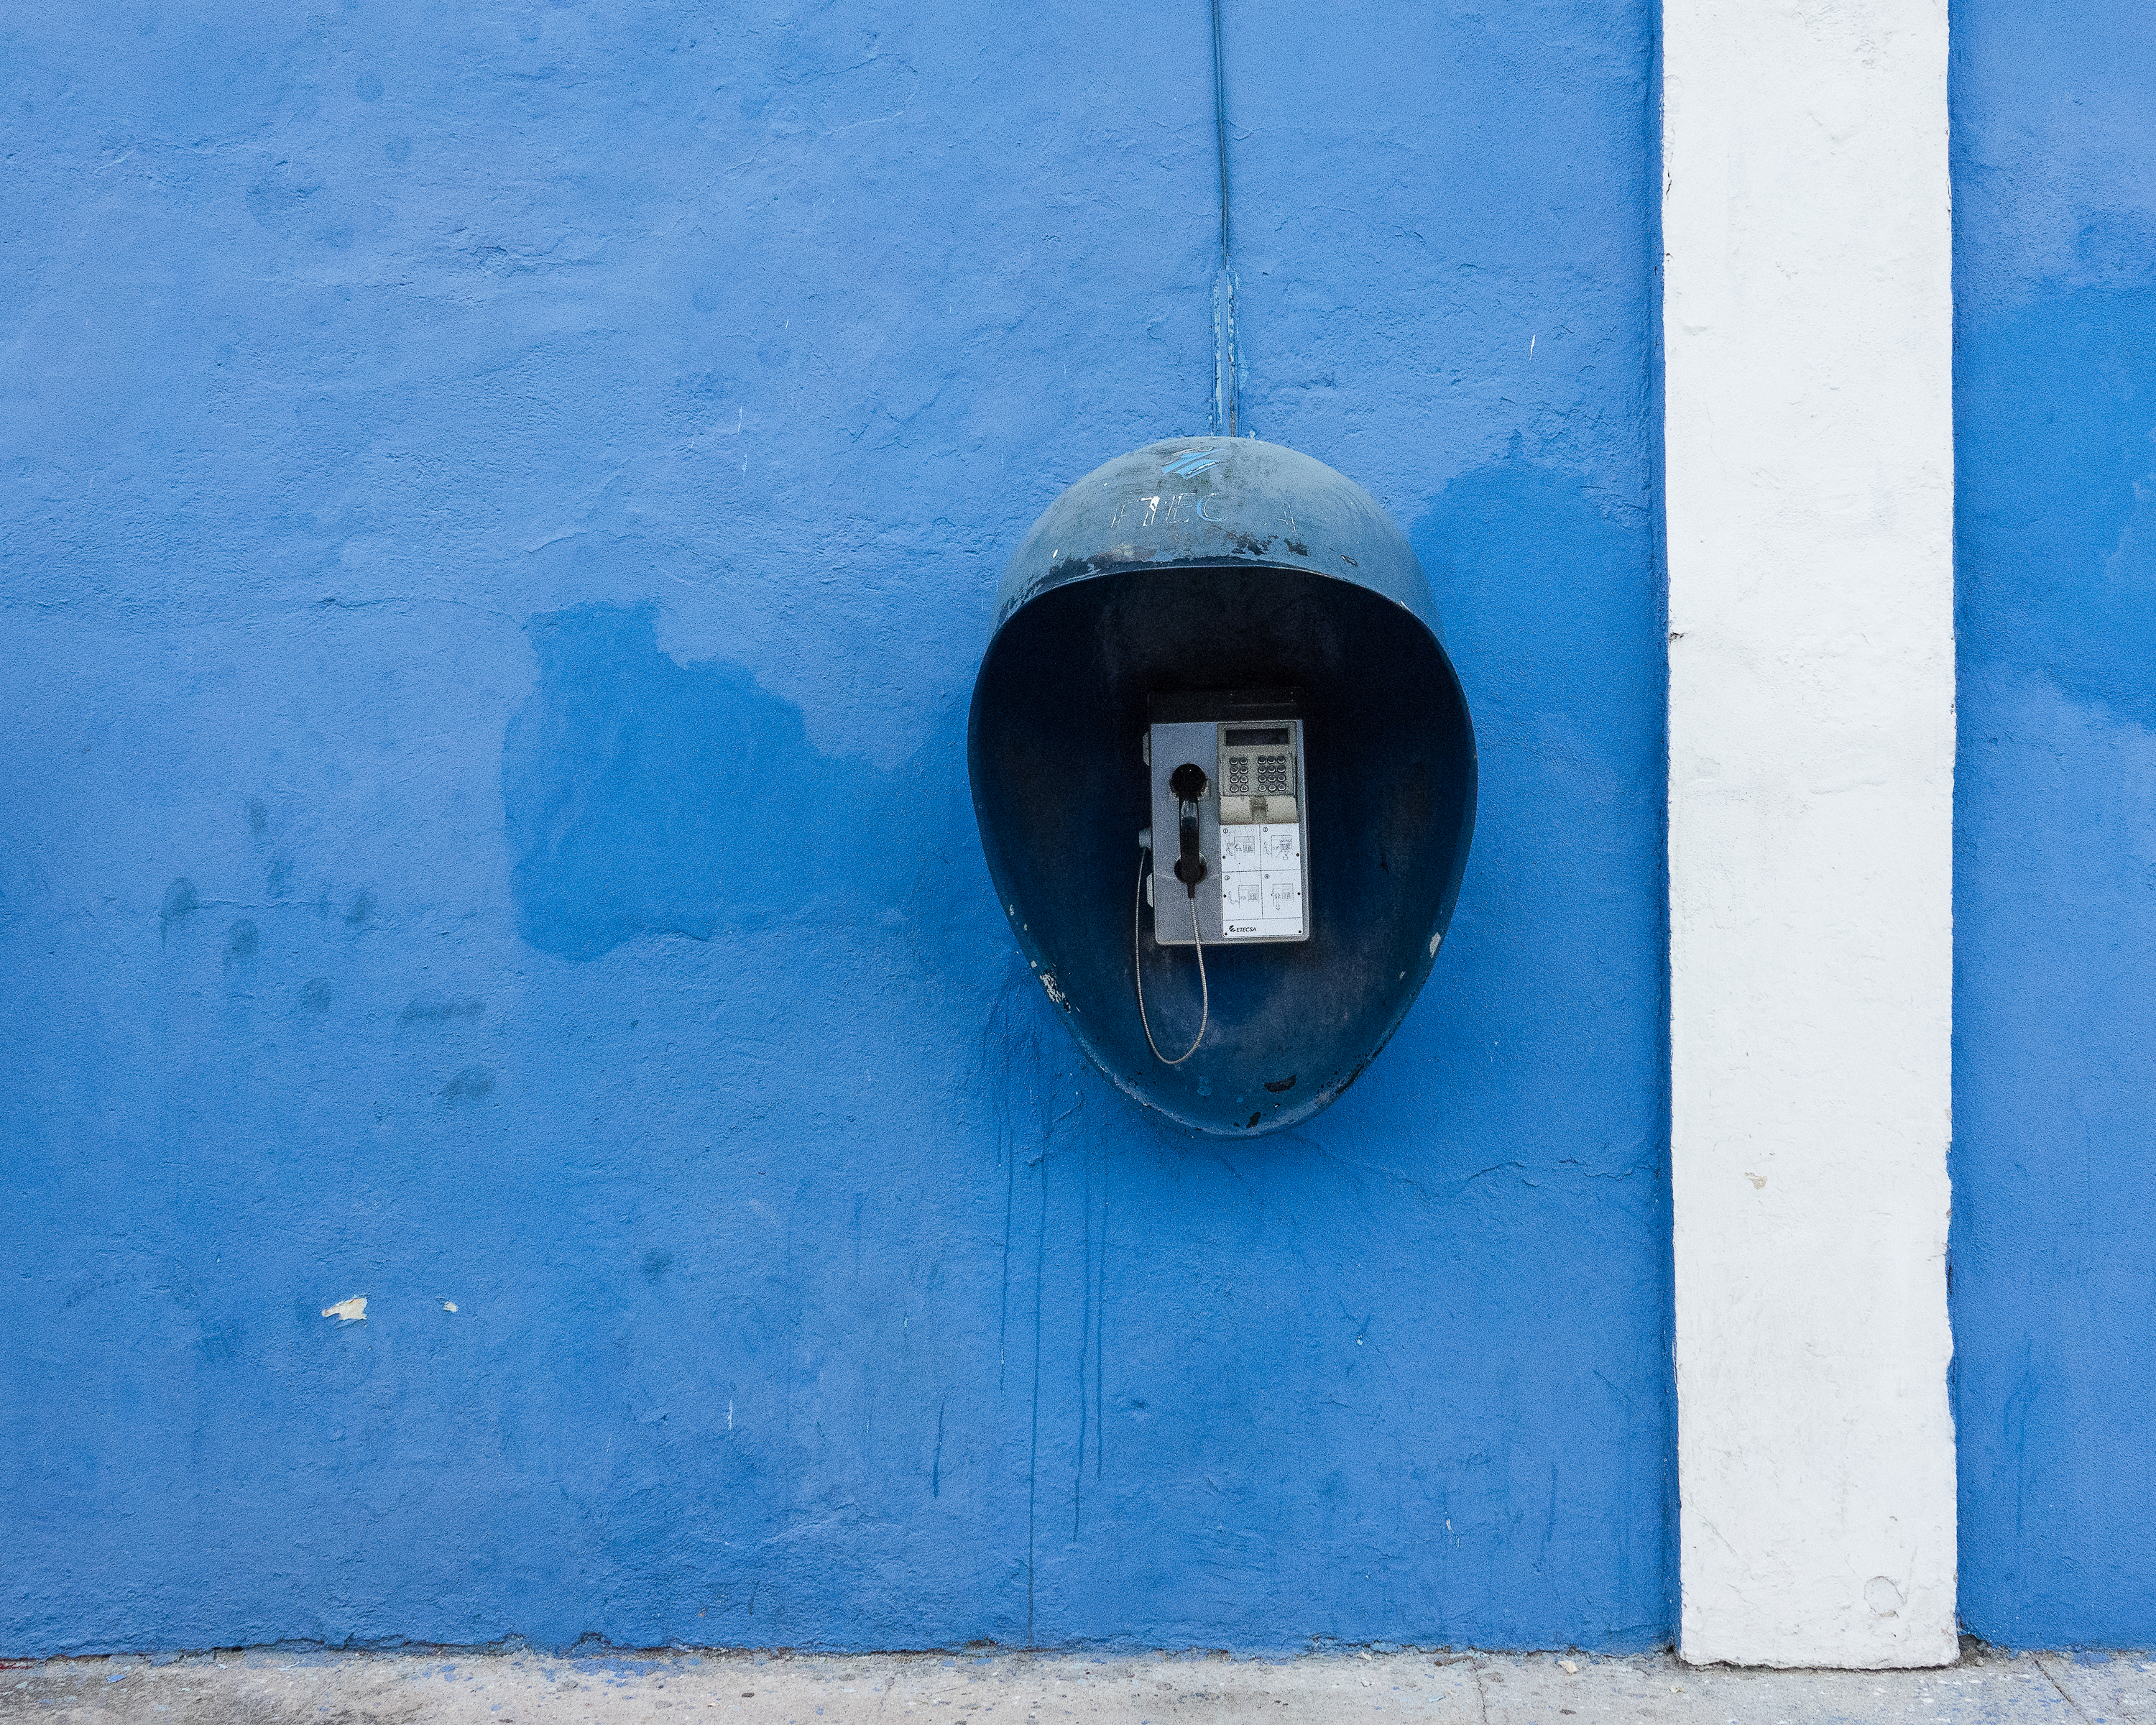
point(1189, 782)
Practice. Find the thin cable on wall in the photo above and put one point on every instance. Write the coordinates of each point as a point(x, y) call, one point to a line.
point(1226, 415)
point(1137, 970)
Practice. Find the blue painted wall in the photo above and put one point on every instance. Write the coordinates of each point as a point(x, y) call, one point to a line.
point(2055, 1090)
point(503, 510)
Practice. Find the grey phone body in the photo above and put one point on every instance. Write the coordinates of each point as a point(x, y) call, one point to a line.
point(1252, 831)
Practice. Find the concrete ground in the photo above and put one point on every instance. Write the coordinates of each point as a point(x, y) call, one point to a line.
point(513, 1687)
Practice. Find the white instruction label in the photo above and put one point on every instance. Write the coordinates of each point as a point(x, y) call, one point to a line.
point(1261, 881)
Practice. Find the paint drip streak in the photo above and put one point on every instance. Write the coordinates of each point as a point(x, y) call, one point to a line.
point(1100, 1332)
point(1085, 1341)
point(1010, 1199)
point(1033, 1462)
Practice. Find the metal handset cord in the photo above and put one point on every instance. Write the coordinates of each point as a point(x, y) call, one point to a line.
point(1137, 965)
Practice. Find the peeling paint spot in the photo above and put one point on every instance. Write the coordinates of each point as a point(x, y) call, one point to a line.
point(446, 1304)
point(1757, 1180)
point(351, 1311)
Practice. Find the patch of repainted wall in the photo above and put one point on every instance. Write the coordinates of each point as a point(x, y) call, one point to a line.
point(510, 508)
point(1809, 468)
point(645, 797)
point(2056, 882)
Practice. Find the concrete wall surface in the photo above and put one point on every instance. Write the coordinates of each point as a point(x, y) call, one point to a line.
point(501, 513)
point(2055, 906)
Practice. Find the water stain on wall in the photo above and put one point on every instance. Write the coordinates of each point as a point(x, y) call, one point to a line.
point(430, 1006)
point(470, 1085)
point(180, 903)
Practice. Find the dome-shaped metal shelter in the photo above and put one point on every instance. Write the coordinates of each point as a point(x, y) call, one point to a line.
point(1220, 564)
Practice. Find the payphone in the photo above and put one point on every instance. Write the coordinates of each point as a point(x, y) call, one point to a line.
point(1233, 864)
point(1228, 649)
point(1240, 829)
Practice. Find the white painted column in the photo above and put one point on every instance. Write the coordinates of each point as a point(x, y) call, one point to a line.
point(1808, 319)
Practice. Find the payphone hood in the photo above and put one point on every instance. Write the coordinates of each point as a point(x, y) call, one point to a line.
point(1216, 502)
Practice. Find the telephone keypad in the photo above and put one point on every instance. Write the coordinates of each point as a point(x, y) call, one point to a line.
point(1261, 895)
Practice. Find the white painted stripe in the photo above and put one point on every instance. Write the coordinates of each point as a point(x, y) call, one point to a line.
point(1808, 324)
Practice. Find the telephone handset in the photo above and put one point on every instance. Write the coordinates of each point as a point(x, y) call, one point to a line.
point(1228, 781)
point(1188, 785)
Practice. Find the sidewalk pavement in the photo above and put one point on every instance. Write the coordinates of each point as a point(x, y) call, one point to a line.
point(513, 1686)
